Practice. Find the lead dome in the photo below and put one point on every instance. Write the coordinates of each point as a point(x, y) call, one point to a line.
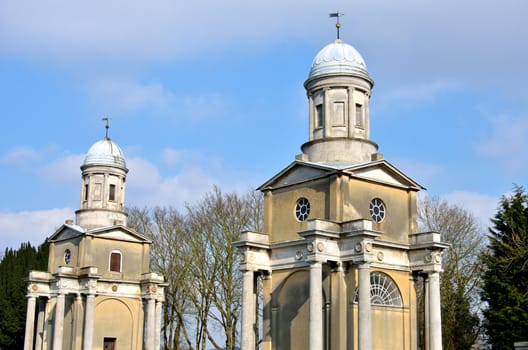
point(105, 152)
point(338, 58)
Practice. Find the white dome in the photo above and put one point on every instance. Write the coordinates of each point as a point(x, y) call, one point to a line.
point(105, 152)
point(338, 58)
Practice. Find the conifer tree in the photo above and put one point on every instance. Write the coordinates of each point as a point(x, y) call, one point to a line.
point(505, 279)
point(14, 269)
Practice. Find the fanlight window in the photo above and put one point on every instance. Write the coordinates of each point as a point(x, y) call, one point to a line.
point(383, 290)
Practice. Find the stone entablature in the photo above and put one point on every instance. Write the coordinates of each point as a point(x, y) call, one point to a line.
point(351, 242)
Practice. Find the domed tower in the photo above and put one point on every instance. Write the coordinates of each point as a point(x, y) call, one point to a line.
point(340, 252)
point(338, 89)
point(103, 186)
point(98, 291)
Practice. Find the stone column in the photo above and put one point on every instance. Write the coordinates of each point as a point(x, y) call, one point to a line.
point(58, 325)
point(149, 328)
point(316, 306)
point(157, 333)
point(426, 313)
point(247, 338)
point(435, 321)
point(77, 323)
point(364, 309)
point(40, 323)
point(30, 323)
point(89, 322)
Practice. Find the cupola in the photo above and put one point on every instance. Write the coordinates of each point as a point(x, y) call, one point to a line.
point(338, 89)
point(103, 186)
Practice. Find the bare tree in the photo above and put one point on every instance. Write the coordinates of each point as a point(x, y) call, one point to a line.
point(195, 253)
point(461, 277)
point(168, 230)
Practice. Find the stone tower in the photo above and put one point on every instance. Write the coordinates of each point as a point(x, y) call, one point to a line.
point(340, 253)
point(98, 292)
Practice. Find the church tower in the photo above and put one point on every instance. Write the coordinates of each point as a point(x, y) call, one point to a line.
point(340, 253)
point(98, 292)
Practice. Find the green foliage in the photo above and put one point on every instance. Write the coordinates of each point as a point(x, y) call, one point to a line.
point(505, 287)
point(14, 268)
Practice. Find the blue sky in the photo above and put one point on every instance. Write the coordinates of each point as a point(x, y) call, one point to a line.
point(204, 93)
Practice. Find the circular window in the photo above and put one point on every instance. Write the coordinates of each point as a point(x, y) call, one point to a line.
point(377, 210)
point(302, 209)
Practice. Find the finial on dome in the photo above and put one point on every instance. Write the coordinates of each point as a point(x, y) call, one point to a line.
point(106, 119)
point(338, 25)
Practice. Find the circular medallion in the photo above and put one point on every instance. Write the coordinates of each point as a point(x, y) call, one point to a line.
point(359, 247)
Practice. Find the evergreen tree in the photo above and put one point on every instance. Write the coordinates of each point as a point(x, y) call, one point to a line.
point(505, 279)
point(14, 269)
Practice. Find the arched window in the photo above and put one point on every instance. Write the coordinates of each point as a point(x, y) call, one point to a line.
point(115, 261)
point(383, 290)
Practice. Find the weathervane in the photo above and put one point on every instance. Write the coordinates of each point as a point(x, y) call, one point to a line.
point(337, 15)
point(106, 119)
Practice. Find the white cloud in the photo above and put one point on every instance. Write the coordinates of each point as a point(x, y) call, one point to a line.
point(63, 170)
point(21, 156)
point(448, 37)
point(118, 96)
point(482, 206)
point(123, 96)
point(193, 174)
point(423, 172)
point(139, 30)
point(146, 187)
point(172, 156)
point(507, 143)
point(32, 226)
point(409, 96)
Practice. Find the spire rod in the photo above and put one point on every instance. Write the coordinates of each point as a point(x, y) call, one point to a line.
point(106, 119)
point(337, 15)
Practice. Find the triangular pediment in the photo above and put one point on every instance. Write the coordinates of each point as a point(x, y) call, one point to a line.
point(379, 171)
point(297, 172)
point(66, 232)
point(383, 172)
point(120, 233)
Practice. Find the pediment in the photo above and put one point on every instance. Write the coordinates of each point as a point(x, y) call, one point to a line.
point(379, 171)
point(120, 233)
point(383, 172)
point(297, 172)
point(66, 232)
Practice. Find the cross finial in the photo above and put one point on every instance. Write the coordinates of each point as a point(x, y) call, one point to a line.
point(106, 119)
point(337, 15)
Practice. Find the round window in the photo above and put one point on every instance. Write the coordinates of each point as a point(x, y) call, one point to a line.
point(302, 209)
point(377, 210)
